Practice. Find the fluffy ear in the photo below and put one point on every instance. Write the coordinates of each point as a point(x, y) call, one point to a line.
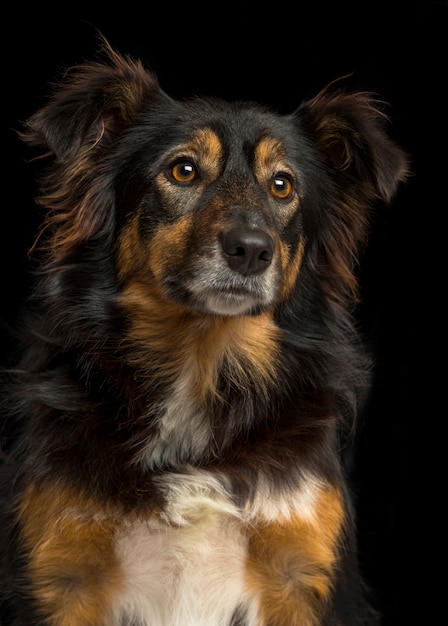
point(349, 130)
point(85, 116)
point(365, 165)
point(92, 105)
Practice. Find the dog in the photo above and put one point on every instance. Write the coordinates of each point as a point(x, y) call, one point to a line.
point(192, 367)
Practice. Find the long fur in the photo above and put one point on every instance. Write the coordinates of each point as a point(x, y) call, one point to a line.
point(191, 366)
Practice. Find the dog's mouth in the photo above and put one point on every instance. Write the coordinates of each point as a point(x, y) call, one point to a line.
point(217, 290)
point(231, 301)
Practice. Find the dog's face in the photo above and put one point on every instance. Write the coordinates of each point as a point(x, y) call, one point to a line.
point(217, 207)
point(210, 207)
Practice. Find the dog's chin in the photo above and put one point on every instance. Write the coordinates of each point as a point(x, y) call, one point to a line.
point(209, 292)
point(224, 302)
point(230, 304)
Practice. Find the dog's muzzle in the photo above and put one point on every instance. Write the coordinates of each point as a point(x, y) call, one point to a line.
point(239, 275)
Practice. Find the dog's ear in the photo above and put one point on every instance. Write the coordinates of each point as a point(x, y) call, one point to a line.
point(86, 115)
point(349, 130)
point(365, 165)
point(92, 105)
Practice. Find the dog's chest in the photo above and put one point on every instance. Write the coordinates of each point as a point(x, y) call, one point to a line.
point(189, 575)
point(188, 566)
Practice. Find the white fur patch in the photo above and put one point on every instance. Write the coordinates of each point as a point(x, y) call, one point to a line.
point(184, 431)
point(186, 566)
point(269, 506)
point(182, 576)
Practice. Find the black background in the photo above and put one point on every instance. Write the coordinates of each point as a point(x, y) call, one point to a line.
point(278, 54)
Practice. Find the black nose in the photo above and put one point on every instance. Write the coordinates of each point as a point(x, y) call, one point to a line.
point(247, 250)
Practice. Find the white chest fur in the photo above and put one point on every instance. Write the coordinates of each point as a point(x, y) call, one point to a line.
point(187, 566)
point(183, 429)
point(182, 576)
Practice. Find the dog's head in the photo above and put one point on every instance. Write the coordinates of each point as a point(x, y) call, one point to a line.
point(211, 206)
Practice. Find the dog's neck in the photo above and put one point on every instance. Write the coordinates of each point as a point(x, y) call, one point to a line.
point(187, 358)
point(170, 340)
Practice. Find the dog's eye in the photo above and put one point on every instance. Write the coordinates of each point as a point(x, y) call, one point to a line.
point(184, 172)
point(281, 187)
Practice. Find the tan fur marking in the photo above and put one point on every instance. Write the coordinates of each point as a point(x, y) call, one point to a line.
point(291, 267)
point(253, 351)
point(72, 564)
point(168, 244)
point(131, 255)
point(269, 155)
point(269, 161)
point(205, 150)
point(178, 338)
point(291, 563)
point(165, 247)
point(171, 338)
point(206, 144)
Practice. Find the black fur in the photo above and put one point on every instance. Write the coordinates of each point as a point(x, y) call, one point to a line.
point(88, 389)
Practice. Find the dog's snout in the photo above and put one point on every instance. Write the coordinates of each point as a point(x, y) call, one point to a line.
point(248, 250)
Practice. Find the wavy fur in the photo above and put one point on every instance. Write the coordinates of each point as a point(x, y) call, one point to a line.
point(190, 363)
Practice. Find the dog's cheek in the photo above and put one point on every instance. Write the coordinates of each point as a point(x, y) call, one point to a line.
point(291, 262)
point(154, 258)
point(170, 250)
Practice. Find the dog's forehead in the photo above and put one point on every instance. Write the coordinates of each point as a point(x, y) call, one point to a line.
point(237, 123)
point(235, 130)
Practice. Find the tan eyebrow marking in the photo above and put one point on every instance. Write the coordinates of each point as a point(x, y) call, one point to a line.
point(205, 147)
point(269, 158)
point(206, 144)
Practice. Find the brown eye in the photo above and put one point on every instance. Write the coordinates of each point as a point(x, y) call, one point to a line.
point(281, 187)
point(184, 172)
